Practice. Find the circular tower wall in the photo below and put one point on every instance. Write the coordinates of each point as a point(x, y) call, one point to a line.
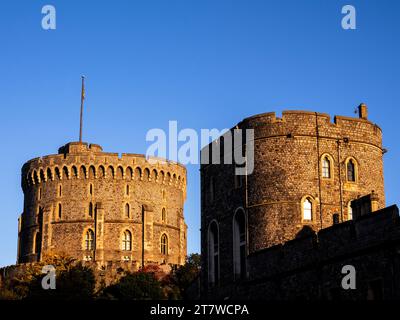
point(102, 207)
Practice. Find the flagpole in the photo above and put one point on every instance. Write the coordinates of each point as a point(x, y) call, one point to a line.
point(82, 98)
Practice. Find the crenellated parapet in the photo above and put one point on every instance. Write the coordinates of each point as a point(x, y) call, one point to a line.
point(306, 123)
point(302, 174)
point(83, 161)
point(101, 206)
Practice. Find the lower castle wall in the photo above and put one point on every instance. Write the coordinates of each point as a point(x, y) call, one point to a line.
point(310, 267)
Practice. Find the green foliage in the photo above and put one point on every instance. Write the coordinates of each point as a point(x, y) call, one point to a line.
point(8, 294)
point(75, 283)
point(136, 286)
point(183, 276)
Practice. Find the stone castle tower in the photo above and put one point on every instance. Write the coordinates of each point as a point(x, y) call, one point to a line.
point(307, 170)
point(103, 207)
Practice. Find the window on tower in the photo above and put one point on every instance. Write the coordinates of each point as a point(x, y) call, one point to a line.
point(89, 240)
point(307, 209)
point(351, 170)
point(326, 167)
point(127, 241)
point(164, 244)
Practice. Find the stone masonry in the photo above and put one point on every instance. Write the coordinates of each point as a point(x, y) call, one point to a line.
point(103, 207)
point(288, 168)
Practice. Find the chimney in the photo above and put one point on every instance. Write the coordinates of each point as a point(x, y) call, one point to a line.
point(365, 205)
point(363, 111)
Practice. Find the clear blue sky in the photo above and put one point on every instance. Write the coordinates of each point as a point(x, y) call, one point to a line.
point(206, 64)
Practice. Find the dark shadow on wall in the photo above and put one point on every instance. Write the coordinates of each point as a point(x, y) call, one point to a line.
point(305, 232)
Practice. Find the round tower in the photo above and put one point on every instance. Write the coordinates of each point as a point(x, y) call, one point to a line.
point(306, 171)
point(103, 207)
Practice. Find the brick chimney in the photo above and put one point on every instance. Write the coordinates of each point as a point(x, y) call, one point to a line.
point(363, 111)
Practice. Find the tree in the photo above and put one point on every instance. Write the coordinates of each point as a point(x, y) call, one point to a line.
point(76, 283)
point(184, 276)
point(140, 285)
point(73, 280)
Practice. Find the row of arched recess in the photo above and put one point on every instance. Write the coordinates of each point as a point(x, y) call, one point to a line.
point(36, 176)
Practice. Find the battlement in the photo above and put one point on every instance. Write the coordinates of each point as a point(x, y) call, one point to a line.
point(295, 117)
point(80, 160)
point(79, 147)
point(306, 123)
point(326, 245)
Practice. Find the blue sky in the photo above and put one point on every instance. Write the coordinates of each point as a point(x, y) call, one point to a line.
point(205, 64)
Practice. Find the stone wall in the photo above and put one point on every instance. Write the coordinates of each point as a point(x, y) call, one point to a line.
point(310, 268)
point(83, 188)
point(288, 153)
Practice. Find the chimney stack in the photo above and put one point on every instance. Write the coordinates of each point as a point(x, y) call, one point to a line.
point(363, 111)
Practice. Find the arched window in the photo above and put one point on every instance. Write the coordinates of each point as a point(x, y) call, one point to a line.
point(127, 210)
point(57, 173)
point(42, 176)
point(349, 211)
point(127, 190)
point(127, 241)
point(91, 189)
point(110, 172)
point(65, 173)
point(101, 172)
point(153, 175)
point(59, 211)
point(91, 211)
point(239, 244)
point(74, 172)
point(326, 167)
point(129, 174)
point(163, 215)
point(92, 172)
point(146, 175)
point(60, 190)
point(82, 172)
point(351, 170)
point(164, 244)
point(138, 173)
point(213, 254)
point(120, 173)
point(89, 240)
point(161, 178)
point(49, 174)
point(307, 209)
